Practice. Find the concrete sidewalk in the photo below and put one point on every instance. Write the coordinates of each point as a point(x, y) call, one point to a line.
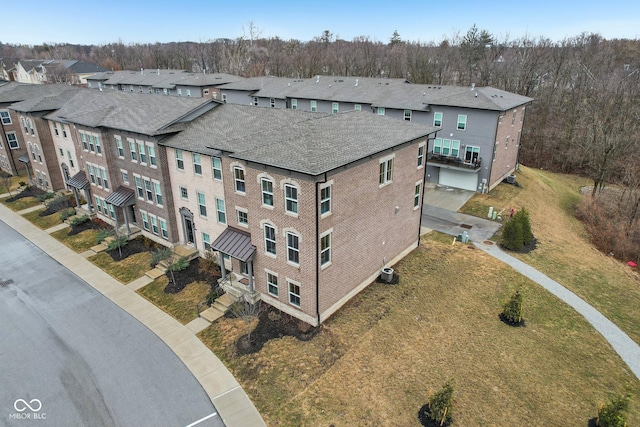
point(628, 350)
point(230, 400)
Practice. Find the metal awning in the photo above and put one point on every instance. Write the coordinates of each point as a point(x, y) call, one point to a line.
point(78, 181)
point(123, 196)
point(24, 158)
point(235, 243)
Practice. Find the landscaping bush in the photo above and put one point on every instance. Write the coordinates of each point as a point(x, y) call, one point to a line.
point(209, 263)
point(66, 214)
point(117, 243)
point(516, 233)
point(158, 255)
point(102, 234)
point(614, 413)
point(438, 410)
point(57, 203)
point(46, 196)
point(80, 220)
point(212, 296)
point(512, 310)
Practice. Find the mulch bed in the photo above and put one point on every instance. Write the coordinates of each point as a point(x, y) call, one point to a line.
point(94, 224)
point(133, 247)
point(27, 192)
point(57, 207)
point(274, 324)
point(425, 419)
point(394, 281)
point(510, 323)
point(192, 273)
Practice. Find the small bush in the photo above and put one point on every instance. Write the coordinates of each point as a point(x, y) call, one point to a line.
point(117, 243)
point(516, 233)
point(158, 255)
point(102, 235)
point(212, 296)
point(440, 405)
point(614, 413)
point(80, 220)
point(46, 196)
point(66, 214)
point(209, 263)
point(22, 184)
point(512, 309)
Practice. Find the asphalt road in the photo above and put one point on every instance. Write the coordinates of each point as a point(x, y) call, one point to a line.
point(70, 357)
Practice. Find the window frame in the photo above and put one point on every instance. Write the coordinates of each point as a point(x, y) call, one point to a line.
point(221, 211)
point(139, 187)
point(242, 217)
point(380, 111)
point(164, 233)
point(151, 150)
point(313, 106)
point(5, 117)
point(120, 147)
point(14, 140)
point(216, 169)
point(142, 153)
point(293, 248)
point(294, 104)
point(239, 181)
point(335, 107)
point(206, 241)
point(325, 251)
point(385, 176)
point(133, 150)
point(407, 115)
point(157, 189)
point(202, 204)
point(272, 285)
point(184, 192)
point(417, 194)
point(437, 118)
point(266, 193)
point(462, 122)
point(179, 159)
point(197, 163)
point(421, 155)
point(294, 293)
point(148, 188)
point(325, 200)
point(291, 199)
point(268, 239)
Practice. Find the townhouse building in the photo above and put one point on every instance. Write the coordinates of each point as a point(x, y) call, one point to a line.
point(162, 82)
point(479, 128)
point(303, 208)
point(37, 136)
point(122, 167)
point(51, 71)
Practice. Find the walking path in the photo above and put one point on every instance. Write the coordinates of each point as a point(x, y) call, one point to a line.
point(628, 350)
point(230, 400)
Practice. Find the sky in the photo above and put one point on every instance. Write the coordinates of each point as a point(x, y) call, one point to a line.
point(144, 21)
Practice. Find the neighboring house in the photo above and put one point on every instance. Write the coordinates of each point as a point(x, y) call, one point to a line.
point(15, 156)
point(122, 166)
point(480, 128)
point(162, 82)
point(314, 204)
point(66, 146)
point(38, 71)
point(7, 67)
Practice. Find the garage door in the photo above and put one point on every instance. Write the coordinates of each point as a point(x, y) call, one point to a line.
point(457, 179)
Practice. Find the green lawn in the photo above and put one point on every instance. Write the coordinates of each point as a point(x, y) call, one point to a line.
point(182, 305)
point(127, 270)
point(43, 222)
point(78, 242)
point(20, 204)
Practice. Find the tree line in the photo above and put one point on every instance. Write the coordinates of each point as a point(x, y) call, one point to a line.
point(584, 120)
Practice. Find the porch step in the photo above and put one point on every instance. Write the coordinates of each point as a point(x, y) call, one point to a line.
point(155, 273)
point(186, 251)
point(224, 301)
point(211, 314)
point(101, 247)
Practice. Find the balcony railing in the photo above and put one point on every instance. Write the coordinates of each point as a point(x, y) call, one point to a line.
point(439, 159)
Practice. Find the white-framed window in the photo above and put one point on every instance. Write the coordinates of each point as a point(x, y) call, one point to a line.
point(238, 176)
point(163, 228)
point(472, 154)
point(154, 224)
point(92, 146)
point(325, 248)
point(224, 97)
point(294, 104)
point(462, 122)
point(188, 92)
point(267, 191)
point(291, 198)
point(103, 172)
point(446, 147)
point(357, 107)
point(179, 159)
point(33, 151)
point(24, 125)
point(147, 189)
point(221, 211)
point(30, 123)
point(179, 92)
point(105, 210)
point(381, 111)
point(70, 159)
point(5, 117)
point(145, 220)
point(386, 171)
point(437, 119)
point(120, 147)
point(158, 190)
point(142, 152)
point(293, 248)
point(64, 130)
point(12, 140)
point(202, 204)
point(133, 151)
point(335, 107)
point(216, 167)
point(139, 187)
point(83, 138)
point(272, 283)
point(151, 149)
point(294, 294)
point(184, 194)
point(255, 100)
point(197, 164)
point(272, 102)
point(325, 200)
point(125, 176)
point(421, 149)
point(416, 195)
point(269, 239)
point(243, 217)
point(314, 105)
point(55, 128)
point(92, 176)
point(112, 211)
point(98, 175)
point(407, 115)
point(98, 204)
point(96, 140)
point(39, 152)
point(206, 240)
point(165, 91)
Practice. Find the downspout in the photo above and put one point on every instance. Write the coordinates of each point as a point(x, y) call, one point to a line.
point(317, 247)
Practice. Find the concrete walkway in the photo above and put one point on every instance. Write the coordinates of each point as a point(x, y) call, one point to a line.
point(232, 403)
point(628, 350)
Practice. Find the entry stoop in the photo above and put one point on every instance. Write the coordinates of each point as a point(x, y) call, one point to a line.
point(219, 308)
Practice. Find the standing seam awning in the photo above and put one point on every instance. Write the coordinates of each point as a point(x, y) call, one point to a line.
point(235, 243)
point(78, 181)
point(122, 196)
point(24, 158)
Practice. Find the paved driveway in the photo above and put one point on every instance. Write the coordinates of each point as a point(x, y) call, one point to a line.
point(440, 213)
point(70, 357)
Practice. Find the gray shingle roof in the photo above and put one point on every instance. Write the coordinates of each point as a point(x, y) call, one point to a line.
point(16, 92)
point(163, 78)
point(310, 143)
point(46, 103)
point(266, 86)
point(132, 112)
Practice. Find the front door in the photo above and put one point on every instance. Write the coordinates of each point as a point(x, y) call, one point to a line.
point(188, 225)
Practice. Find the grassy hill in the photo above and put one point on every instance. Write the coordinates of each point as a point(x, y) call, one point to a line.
point(376, 361)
